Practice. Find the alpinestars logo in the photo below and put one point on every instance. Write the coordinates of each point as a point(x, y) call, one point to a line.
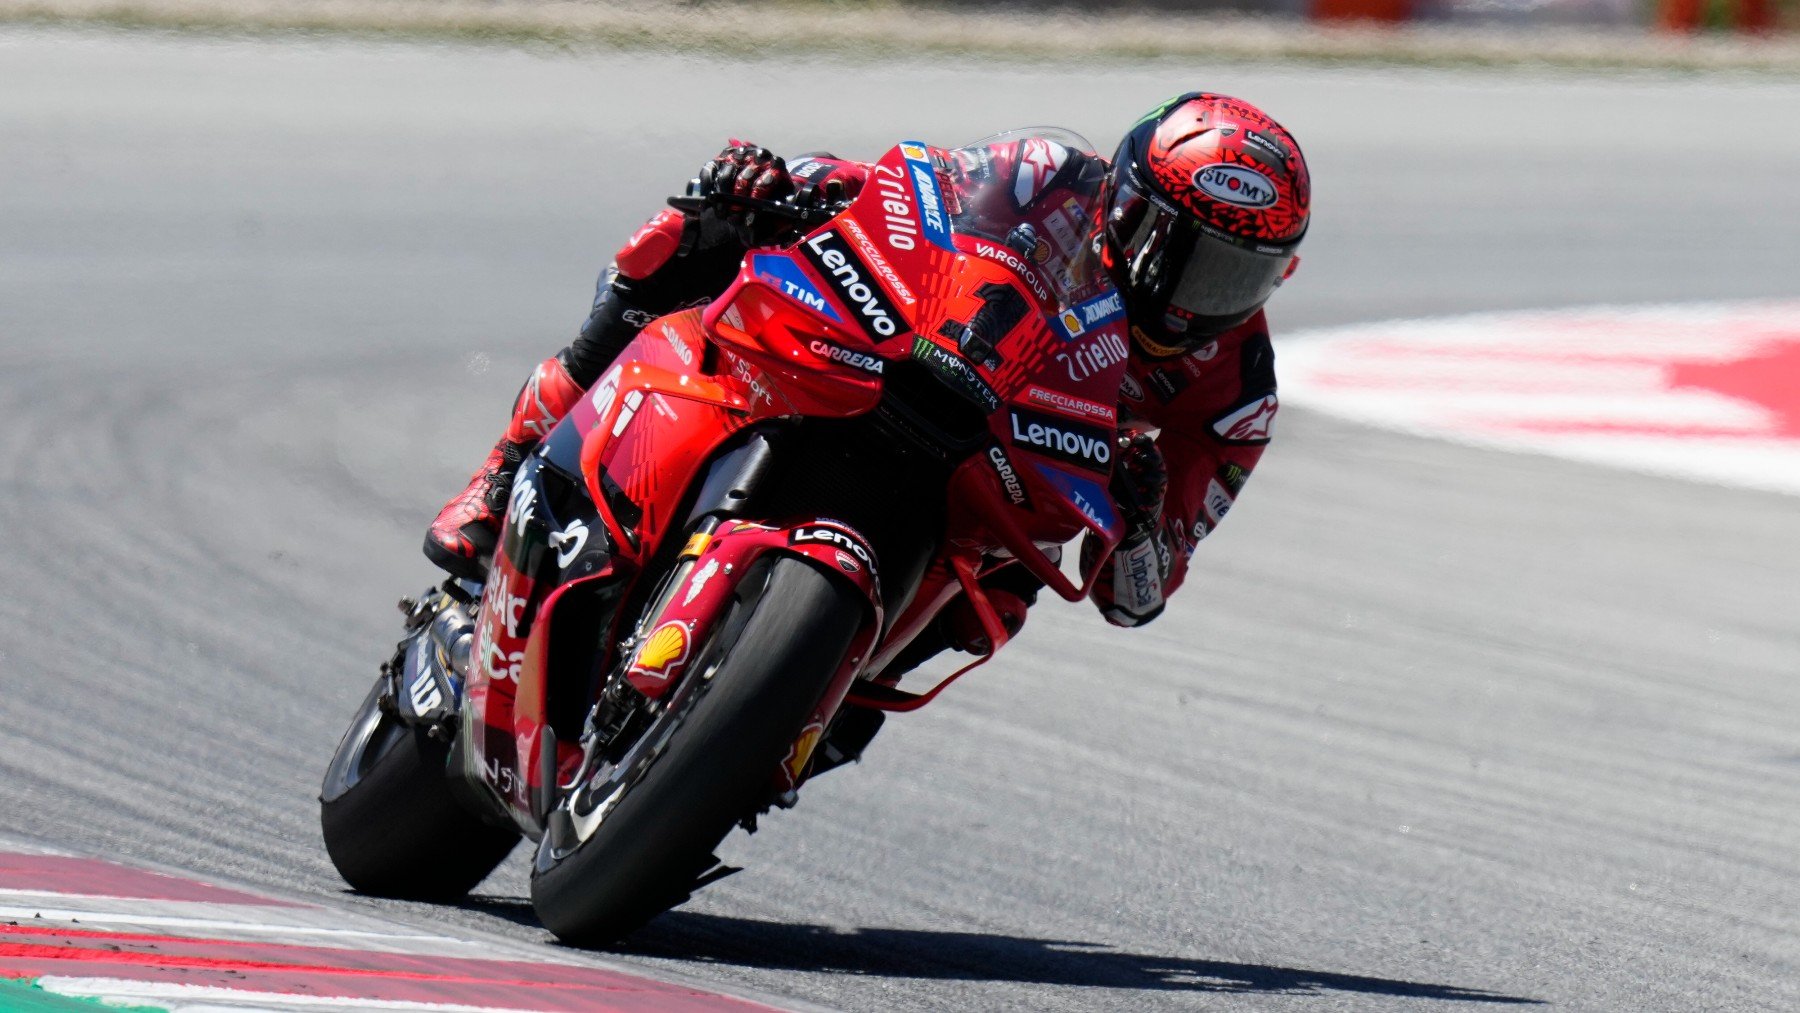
point(1247, 423)
point(1083, 446)
point(832, 257)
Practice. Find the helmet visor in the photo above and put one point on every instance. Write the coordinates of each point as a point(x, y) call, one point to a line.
point(1222, 278)
point(1186, 265)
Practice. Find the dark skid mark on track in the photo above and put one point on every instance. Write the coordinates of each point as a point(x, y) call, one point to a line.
point(975, 956)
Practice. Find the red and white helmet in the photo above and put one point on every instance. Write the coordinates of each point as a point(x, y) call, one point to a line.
point(1208, 202)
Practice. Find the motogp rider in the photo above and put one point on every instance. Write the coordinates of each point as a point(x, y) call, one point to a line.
point(1206, 203)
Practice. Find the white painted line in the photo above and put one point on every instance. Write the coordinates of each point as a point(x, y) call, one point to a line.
point(1702, 391)
point(124, 990)
point(82, 917)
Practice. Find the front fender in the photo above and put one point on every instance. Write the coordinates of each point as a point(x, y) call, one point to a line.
point(720, 559)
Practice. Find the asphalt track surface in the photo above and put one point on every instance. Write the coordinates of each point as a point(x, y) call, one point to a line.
point(1433, 725)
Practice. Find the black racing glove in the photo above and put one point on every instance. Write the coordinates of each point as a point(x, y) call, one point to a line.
point(740, 170)
point(1140, 483)
point(746, 170)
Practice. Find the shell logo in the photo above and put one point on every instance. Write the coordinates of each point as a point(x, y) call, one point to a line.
point(803, 749)
point(663, 652)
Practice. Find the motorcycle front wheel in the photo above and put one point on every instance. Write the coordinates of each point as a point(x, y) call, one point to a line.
point(629, 843)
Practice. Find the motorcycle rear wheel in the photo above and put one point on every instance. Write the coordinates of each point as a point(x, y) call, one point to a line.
point(391, 825)
point(786, 639)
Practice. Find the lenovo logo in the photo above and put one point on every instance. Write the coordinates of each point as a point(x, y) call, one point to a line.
point(832, 257)
point(1082, 446)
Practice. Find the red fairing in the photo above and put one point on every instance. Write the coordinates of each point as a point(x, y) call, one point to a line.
point(1216, 409)
point(651, 246)
point(701, 597)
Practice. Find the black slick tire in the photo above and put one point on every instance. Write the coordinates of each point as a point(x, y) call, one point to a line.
point(645, 855)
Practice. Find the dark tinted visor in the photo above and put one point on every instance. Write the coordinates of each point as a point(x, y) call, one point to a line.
point(1196, 268)
point(1222, 278)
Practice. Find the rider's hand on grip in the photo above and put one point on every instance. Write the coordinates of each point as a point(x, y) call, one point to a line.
point(1131, 594)
point(1140, 483)
point(746, 171)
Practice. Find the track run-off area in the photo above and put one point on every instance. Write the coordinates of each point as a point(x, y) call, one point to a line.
point(1485, 694)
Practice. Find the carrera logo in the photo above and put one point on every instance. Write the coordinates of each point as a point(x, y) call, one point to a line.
point(1235, 184)
point(848, 356)
point(832, 257)
point(1015, 489)
point(819, 534)
point(1248, 424)
point(1082, 446)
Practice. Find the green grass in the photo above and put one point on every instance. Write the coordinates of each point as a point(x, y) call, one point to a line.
point(18, 996)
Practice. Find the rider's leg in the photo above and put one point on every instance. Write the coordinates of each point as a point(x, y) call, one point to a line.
point(650, 276)
point(462, 538)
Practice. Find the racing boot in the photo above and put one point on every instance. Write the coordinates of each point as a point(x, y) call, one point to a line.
point(463, 537)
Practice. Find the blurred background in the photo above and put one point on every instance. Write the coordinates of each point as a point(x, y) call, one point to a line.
point(1485, 692)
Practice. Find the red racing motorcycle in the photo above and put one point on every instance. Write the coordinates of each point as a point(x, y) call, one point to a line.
point(707, 568)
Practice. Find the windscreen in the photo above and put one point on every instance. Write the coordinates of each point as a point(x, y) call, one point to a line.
point(1036, 192)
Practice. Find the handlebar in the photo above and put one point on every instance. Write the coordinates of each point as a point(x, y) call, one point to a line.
point(805, 216)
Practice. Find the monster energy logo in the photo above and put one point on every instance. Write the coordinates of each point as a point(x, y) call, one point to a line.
point(956, 373)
